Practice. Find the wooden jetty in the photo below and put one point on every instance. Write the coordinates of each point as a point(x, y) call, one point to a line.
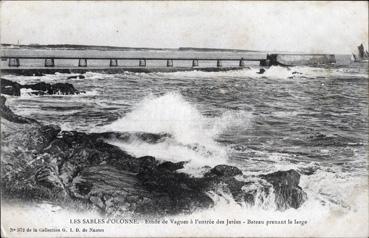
point(117, 64)
point(15, 64)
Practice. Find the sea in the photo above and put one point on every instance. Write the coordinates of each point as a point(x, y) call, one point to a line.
point(311, 119)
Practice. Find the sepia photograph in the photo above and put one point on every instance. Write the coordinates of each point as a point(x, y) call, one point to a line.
point(184, 118)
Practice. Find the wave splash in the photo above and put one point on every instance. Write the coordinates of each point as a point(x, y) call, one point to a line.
point(192, 134)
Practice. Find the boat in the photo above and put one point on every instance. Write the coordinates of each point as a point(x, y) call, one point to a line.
point(362, 55)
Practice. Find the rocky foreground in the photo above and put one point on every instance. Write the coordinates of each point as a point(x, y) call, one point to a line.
point(41, 162)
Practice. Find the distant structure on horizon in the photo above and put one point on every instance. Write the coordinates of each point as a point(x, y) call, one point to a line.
point(362, 55)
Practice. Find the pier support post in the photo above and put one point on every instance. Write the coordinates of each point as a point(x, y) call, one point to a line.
point(13, 62)
point(219, 63)
point(242, 62)
point(113, 63)
point(195, 63)
point(82, 63)
point(49, 62)
point(142, 63)
point(169, 63)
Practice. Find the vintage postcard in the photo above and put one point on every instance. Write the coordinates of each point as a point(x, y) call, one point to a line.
point(184, 119)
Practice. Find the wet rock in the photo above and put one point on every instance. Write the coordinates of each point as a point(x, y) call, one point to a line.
point(146, 163)
point(152, 137)
point(58, 148)
point(261, 71)
point(177, 192)
point(13, 88)
point(49, 132)
point(38, 86)
point(287, 191)
point(47, 176)
point(170, 166)
point(84, 187)
point(43, 136)
point(10, 88)
point(224, 170)
point(46, 88)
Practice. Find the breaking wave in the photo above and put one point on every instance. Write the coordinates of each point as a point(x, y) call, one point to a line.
point(193, 136)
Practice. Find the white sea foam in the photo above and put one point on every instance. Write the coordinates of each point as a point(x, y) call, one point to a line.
point(193, 135)
point(276, 72)
point(26, 93)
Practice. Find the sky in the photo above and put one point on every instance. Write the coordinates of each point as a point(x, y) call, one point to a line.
point(311, 27)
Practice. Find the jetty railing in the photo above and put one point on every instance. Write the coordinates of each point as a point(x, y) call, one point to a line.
point(14, 61)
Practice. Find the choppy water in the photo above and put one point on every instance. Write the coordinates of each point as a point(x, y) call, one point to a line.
point(314, 120)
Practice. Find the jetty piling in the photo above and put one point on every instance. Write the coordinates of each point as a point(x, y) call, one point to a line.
point(169, 63)
point(82, 63)
point(49, 62)
point(219, 63)
point(195, 63)
point(242, 62)
point(142, 63)
point(113, 63)
point(14, 62)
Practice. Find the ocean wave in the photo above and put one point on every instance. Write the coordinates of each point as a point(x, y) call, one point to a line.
point(193, 135)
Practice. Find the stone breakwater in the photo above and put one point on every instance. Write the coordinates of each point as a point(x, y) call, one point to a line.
point(42, 162)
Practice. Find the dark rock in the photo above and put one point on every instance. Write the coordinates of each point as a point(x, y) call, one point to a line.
point(152, 137)
point(38, 86)
point(224, 170)
point(178, 192)
point(10, 88)
point(58, 88)
point(170, 166)
point(49, 132)
point(147, 163)
point(286, 188)
point(13, 88)
point(63, 88)
point(47, 176)
point(261, 71)
point(58, 148)
point(84, 187)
